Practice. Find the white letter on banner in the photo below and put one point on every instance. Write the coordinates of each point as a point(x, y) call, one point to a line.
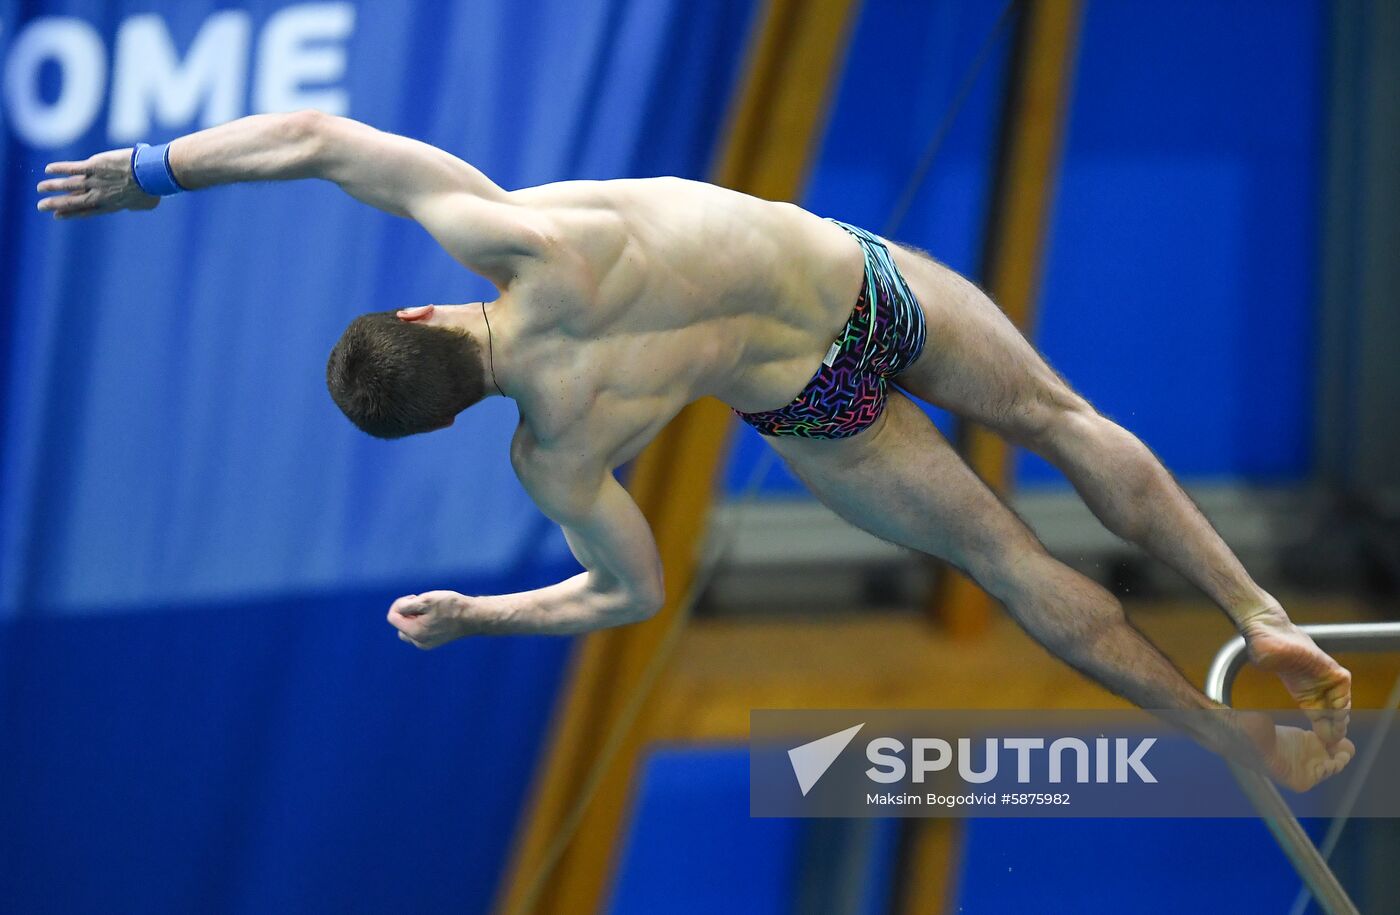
point(942, 756)
point(1081, 759)
point(965, 761)
point(77, 49)
point(1023, 747)
point(1133, 760)
point(304, 44)
point(150, 84)
point(883, 752)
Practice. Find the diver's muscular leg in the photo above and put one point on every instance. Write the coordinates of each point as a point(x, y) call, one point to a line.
point(901, 481)
point(978, 365)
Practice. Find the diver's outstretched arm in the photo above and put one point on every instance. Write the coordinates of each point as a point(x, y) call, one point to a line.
point(471, 216)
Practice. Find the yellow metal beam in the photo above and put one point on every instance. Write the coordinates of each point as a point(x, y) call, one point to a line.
point(773, 129)
point(1042, 77)
point(931, 852)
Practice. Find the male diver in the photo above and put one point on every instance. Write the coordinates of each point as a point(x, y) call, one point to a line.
point(622, 301)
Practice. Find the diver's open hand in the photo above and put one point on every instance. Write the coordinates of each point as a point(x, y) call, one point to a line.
point(433, 618)
point(100, 184)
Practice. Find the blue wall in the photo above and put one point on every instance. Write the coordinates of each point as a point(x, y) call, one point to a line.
point(1181, 284)
point(1148, 867)
point(1180, 280)
point(283, 757)
point(689, 823)
point(201, 706)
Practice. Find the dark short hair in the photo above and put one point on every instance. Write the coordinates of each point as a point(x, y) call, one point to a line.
point(394, 378)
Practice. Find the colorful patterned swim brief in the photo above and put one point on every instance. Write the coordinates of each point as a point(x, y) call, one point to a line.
point(883, 337)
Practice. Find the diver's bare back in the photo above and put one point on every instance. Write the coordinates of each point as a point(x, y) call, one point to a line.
point(662, 290)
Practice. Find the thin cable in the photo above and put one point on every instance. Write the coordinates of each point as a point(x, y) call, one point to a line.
point(491, 350)
point(930, 153)
point(724, 541)
point(1353, 793)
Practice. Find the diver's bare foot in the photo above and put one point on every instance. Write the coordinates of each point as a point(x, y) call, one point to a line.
point(1295, 758)
point(1320, 686)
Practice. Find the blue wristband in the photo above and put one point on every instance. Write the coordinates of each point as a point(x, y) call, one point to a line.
point(150, 166)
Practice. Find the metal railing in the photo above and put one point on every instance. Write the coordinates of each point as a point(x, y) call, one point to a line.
point(1305, 857)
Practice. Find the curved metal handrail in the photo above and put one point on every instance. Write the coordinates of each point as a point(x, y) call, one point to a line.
point(1328, 636)
point(1301, 852)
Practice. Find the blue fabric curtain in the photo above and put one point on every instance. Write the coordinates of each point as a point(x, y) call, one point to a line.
point(168, 444)
point(168, 434)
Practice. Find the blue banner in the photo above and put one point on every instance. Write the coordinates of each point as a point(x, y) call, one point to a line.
point(168, 436)
point(169, 444)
